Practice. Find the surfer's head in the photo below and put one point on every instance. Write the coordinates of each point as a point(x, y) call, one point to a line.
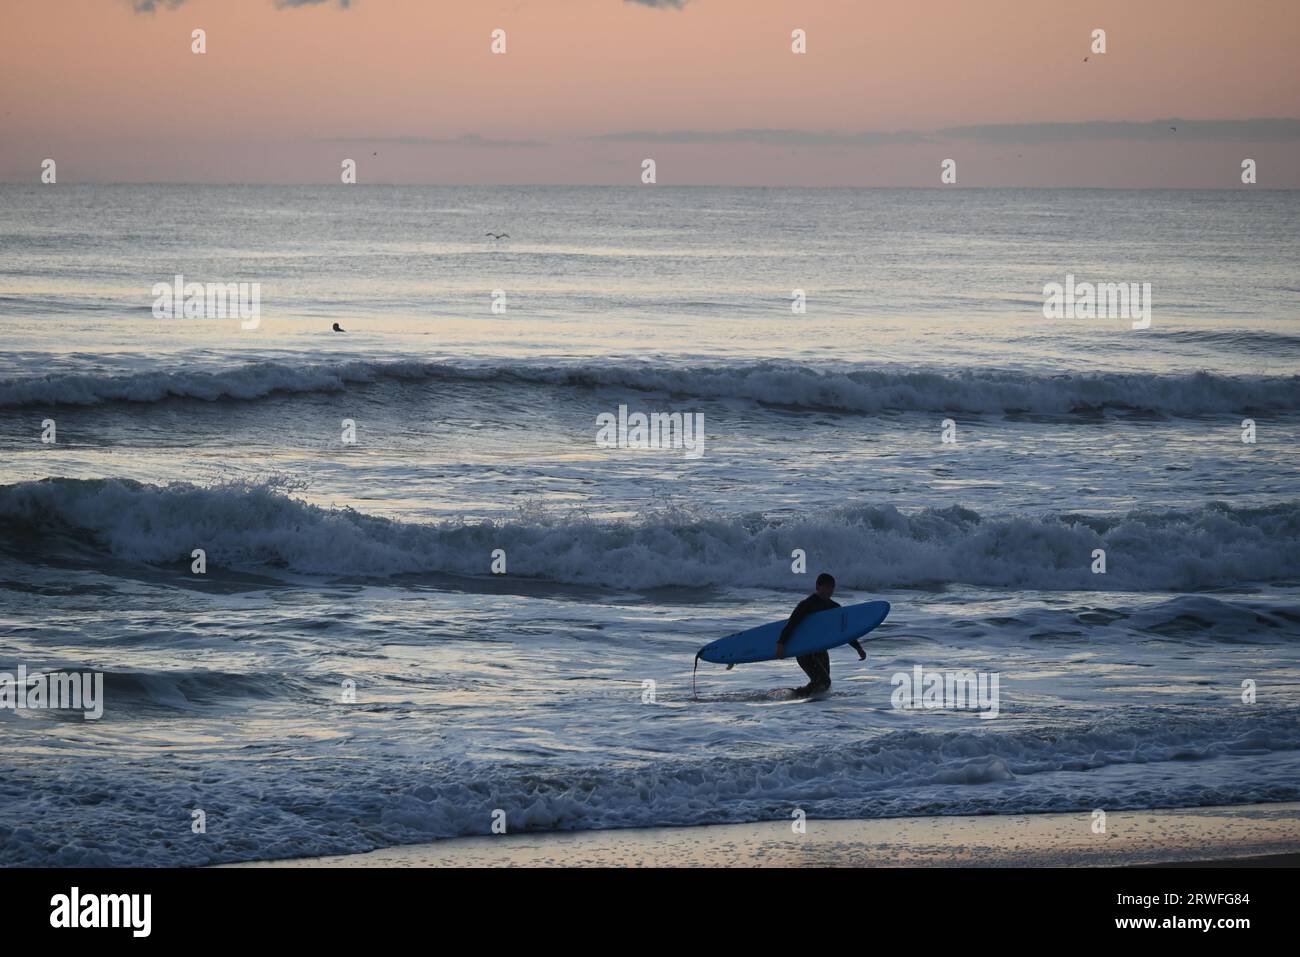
point(825, 585)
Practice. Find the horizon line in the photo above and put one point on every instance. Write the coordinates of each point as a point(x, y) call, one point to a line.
point(1240, 187)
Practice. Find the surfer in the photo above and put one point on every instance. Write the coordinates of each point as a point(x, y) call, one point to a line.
point(338, 328)
point(816, 666)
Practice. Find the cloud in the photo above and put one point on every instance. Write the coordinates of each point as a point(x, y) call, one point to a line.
point(659, 4)
point(151, 6)
point(1255, 130)
point(767, 137)
point(469, 140)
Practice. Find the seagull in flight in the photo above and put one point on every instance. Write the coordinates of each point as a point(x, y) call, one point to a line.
point(498, 235)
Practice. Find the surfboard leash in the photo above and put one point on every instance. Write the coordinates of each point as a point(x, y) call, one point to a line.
point(693, 670)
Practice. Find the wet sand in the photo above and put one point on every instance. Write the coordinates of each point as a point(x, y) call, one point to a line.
point(1251, 835)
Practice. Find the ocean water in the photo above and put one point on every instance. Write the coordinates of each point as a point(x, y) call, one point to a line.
point(558, 695)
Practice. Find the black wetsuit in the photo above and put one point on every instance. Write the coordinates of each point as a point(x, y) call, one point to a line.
point(816, 666)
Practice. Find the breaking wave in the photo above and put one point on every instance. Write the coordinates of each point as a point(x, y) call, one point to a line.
point(251, 526)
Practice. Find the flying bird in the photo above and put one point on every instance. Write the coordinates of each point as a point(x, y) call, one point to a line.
point(498, 235)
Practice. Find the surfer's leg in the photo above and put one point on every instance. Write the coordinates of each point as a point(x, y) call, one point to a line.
point(819, 670)
point(817, 667)
point(809, 665)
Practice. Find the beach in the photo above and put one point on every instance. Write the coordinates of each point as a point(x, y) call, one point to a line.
point(1253, 835)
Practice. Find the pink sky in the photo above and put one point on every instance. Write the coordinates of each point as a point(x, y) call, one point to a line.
point(285, 94)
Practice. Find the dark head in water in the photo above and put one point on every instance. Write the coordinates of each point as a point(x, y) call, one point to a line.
point(338, 328)
point(825, 585)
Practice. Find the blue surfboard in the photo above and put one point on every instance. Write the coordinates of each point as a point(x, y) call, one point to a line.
point(817, 632)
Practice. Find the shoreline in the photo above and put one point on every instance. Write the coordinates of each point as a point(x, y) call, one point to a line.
point(1251, 835)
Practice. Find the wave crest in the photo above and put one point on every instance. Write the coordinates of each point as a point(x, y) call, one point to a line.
point(867, 546)
point(789, 385)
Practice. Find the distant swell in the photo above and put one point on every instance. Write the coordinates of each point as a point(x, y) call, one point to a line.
point(868, 546)
point(773, 383)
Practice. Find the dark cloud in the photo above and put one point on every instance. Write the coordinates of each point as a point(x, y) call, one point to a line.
point(470, 140)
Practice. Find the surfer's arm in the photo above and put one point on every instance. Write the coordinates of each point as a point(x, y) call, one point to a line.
point(799, 614)
point(856, 646)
